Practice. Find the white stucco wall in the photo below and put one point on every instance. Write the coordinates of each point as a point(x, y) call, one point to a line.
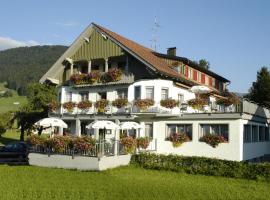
point(229, 151)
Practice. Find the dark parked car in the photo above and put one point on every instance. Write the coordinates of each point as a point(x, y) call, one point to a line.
point(15, 152)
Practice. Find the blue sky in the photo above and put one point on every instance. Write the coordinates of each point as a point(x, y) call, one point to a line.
point(233, 35)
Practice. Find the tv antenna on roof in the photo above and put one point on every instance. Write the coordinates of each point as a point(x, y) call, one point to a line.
point(154, 40)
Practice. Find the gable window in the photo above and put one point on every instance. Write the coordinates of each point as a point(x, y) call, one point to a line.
point(247, 133)
point(148, 130)
point(68, 97)
point(215, 129)
point(149, 92)
point(83, 96)
point(164, 93)
point(122, 94)
point(179, 128)
point(137, 92)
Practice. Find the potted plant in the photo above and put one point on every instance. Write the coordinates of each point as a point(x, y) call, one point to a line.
point(178, 139)
point(143, 104)
point(84, 105)
point(129, 144)
point(69, 106)
point(120, 103)
point(101, 105)
point(213, 140)
point(169, 103)
point(143, 142)
point(197, 103)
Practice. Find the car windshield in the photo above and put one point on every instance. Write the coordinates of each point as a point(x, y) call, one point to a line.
point(14, 146)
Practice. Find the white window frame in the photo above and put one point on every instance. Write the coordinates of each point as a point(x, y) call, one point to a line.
point(190, 73)
point(201, 134)
point(167, 95)
point(68, 97)
point(152, 95)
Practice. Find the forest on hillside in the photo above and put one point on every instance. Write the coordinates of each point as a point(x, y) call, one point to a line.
point(23, 65)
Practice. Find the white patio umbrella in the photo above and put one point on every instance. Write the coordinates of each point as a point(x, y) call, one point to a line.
point(51, 122)
point(200, 89)
point(103, 124)
point(129, 125)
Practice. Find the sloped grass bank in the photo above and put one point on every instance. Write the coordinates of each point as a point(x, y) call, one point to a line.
point(27, 182)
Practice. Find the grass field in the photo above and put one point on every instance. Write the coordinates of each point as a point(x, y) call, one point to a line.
point(26, 182)
point(7, 104)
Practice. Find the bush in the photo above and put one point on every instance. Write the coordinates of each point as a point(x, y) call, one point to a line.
point(85, 143)
point(58, 143)
point(36, 140)
point(204, 166)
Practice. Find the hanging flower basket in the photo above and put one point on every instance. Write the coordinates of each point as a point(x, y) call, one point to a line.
point(120, 103)
point(169, 103)
point(178, 139)
point(69, 106)
point(143, 142)
point(143, 104)
point(129, 144)
point(213, 140)
point(84, 105)
point(101, 105)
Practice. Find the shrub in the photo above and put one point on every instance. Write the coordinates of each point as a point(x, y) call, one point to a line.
point(69, 106)
point(36, 140)
point(58, 143)
point(213, 140)
point(178, 138)
point(129, 144)
point(143, 104)
point(84, 105)
point(85, 143)
point(120, 103)
point(101, 105)
point(202, 165)
point(143, 142)
point(169, 103)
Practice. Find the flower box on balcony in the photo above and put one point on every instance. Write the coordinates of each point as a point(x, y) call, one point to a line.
point(53, 106)
point(84, 105)
point(101, 105)
point(120, 103)
point(197, 103)
point(178, 139)
point(169, 103)
point(143, 104)
point(69, 106)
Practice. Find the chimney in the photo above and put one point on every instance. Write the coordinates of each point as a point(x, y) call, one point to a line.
point(171, 51)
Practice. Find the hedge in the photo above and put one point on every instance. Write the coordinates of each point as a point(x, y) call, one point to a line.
point(202, 165)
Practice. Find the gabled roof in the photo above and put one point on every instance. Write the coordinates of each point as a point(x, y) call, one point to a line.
point(154, 58)
point(149, 57)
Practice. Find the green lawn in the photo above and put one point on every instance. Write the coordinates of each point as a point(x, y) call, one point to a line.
point(26, 182)
point(7, 104)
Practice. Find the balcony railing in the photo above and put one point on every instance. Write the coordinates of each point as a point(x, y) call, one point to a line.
point(157, 108)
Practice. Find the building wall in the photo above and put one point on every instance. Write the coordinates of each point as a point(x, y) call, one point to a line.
point(229, 151)
point(253, 149)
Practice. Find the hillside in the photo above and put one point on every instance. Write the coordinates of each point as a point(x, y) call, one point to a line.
point(20, 66)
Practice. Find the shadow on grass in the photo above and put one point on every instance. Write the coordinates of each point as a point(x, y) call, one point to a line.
point(5, 140)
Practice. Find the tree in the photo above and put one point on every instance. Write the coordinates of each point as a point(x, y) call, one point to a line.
point(39, 96)
point(260, 90)
point(5, 122)
point(204, 64)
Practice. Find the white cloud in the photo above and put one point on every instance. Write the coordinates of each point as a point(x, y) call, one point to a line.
point(7, 43)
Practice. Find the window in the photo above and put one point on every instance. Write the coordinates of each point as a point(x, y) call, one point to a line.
point(266, 133)
point(68, 97)
point(102, 95)
point(149, 92)
point(255, 133)
point(190, 73)
point(164, 93)
point(183, 69)
point(199, 77)
point(215, 129)
point(59, 97)
point(122, 94)
point(137, 92)
point(83, 96)
point(148, 130)
point(247, 133)
point(181, 98)
point(261, 133)
point(179, 128)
